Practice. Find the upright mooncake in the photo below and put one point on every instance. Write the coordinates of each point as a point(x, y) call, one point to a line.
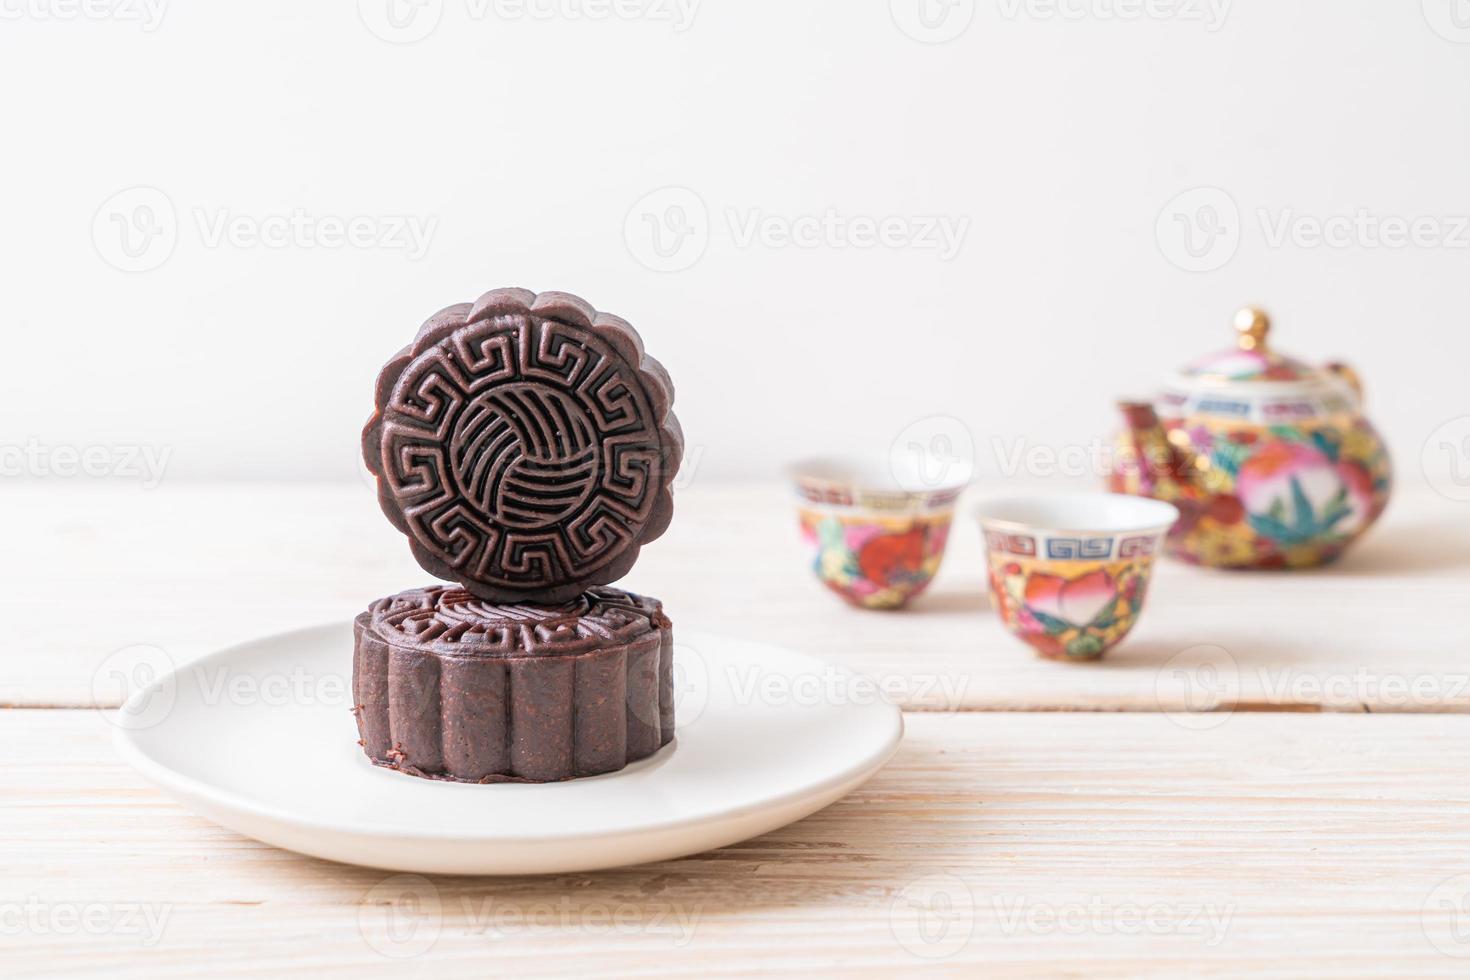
point(526, 445)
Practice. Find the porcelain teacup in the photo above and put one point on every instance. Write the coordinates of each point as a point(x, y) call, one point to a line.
point(877, 536)
point(1068, 574)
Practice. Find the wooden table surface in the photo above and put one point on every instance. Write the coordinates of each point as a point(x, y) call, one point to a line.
point(1270, 776)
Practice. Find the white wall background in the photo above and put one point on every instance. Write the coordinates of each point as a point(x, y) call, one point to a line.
point(529, 143)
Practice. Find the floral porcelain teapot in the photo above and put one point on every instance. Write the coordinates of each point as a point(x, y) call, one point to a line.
point(1269, 460)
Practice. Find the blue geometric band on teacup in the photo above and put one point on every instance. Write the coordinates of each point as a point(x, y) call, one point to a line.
point(1072, 548)
point(826, 494)
point(1137, 547)
point(1013, 544)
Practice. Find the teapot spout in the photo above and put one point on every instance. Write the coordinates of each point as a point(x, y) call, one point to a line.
point(1153, 466)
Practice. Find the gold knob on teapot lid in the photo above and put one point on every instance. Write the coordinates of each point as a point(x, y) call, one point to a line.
point(1252, 325)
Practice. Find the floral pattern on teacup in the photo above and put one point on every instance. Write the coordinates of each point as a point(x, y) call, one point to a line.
point(876, 562)
point(1072, 610)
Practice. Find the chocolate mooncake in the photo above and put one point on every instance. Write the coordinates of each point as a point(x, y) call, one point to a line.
point(525, 444)
point(449, 686)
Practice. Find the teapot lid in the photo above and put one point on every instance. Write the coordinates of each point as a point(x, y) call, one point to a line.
point(1251, 359)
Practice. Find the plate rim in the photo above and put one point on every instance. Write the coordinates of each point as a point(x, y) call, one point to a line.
point(125, 744)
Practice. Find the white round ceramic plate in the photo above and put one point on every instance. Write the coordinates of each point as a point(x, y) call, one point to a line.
point(261, 738)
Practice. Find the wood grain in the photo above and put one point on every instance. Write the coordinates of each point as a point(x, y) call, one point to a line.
point(91, 570)
point(1066, 844)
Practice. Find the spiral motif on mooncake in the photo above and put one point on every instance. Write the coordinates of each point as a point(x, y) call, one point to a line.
point(452, 620)
point(526, 445)
point(529, 456)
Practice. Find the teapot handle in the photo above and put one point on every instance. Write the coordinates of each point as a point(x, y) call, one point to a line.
point(1346, 374)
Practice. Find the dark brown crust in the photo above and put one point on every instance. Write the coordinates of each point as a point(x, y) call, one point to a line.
point(489, 505)
point(448, 687)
